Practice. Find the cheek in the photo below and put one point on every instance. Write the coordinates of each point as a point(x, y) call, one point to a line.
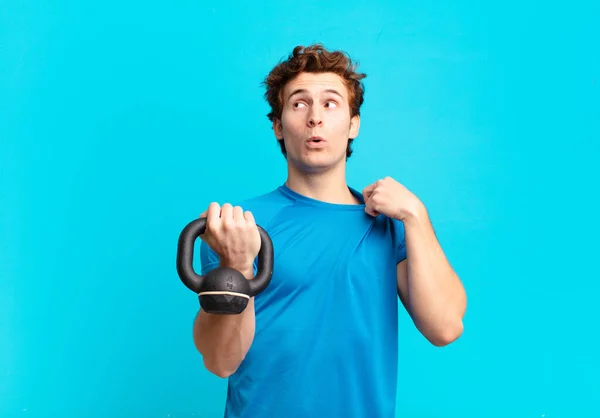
point(292, 125)
point(340, 125)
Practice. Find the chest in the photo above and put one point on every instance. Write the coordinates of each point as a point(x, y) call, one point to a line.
point(338, 256)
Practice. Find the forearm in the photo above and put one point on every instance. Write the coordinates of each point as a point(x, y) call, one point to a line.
point(224, 340)
point(436, 296)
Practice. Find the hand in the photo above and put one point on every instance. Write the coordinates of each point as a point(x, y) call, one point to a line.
point(232, 234)
point(392, 199)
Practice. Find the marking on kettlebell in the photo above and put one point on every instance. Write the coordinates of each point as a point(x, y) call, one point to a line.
point(220, 292)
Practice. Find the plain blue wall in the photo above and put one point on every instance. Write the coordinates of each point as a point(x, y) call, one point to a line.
point(121, 121)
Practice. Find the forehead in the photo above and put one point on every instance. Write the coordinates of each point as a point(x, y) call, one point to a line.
point(315, 83)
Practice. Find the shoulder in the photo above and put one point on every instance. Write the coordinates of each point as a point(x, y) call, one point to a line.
point(398, 238)
point(270, 198)
point(397, 228)
point(264, 207)
point(392, 232)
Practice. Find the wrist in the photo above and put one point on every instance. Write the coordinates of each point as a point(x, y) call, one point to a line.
point(415, 215)
point(246, 268)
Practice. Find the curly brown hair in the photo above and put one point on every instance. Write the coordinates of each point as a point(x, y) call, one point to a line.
point(314, 59)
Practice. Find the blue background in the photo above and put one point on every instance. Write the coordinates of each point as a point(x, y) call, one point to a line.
point(121, 121)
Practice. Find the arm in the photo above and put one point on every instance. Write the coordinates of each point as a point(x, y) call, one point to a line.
point(231, 237)
point(224, 340)
point(428, 286)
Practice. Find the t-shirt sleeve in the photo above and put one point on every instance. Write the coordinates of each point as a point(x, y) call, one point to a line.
point(399, 240)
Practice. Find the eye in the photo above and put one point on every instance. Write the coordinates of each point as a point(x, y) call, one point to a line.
point(331, 104)
point(298, 104)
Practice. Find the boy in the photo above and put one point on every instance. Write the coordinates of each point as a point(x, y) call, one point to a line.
point(321, 340)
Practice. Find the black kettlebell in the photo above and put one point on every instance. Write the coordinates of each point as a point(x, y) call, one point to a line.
point(224, 290)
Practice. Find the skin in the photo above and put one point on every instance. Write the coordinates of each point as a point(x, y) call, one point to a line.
point(317, 105)
point(310, 107)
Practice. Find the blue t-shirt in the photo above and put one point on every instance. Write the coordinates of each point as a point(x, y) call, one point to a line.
point(326, 335)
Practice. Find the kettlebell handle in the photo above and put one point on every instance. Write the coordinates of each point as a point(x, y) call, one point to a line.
point(185, 256)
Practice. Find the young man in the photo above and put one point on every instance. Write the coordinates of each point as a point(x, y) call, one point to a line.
point(321, 340)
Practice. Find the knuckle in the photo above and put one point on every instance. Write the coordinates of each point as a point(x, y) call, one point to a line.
point(238, 213)
point(211, 228)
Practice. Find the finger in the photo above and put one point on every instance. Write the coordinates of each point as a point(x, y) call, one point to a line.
point(249, 217)
point(212, 218)
point(238, 214)
point(227, 212)
point(203, 214)
point(367, 191)
point(369, 210)
point(213, 213)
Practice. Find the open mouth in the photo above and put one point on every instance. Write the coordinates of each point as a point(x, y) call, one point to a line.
point(315, 140)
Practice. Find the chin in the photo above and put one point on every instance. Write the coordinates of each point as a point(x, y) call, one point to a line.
point(316, 163)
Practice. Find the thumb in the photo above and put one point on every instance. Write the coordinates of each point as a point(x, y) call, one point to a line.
point(369, 210)
point(368, 191)
point(202, 215)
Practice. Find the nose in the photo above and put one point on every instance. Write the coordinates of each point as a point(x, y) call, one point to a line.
point(314, 121)
point(315, 117)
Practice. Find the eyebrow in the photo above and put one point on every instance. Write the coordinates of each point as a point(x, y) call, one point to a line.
point(301, 91)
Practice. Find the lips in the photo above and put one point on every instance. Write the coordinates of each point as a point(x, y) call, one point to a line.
point(315, 139)
point(315, 142)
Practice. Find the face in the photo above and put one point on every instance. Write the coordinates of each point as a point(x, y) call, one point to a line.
point(315, 122)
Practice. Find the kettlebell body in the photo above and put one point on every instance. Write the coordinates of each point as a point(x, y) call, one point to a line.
point(224, 291)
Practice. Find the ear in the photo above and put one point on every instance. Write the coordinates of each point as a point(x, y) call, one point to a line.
point(354, 126)
point(277, 128)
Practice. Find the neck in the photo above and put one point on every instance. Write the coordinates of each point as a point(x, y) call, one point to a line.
point(327, 186)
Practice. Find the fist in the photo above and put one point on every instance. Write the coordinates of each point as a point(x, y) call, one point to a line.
point(232, 234)
point(390, 198)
